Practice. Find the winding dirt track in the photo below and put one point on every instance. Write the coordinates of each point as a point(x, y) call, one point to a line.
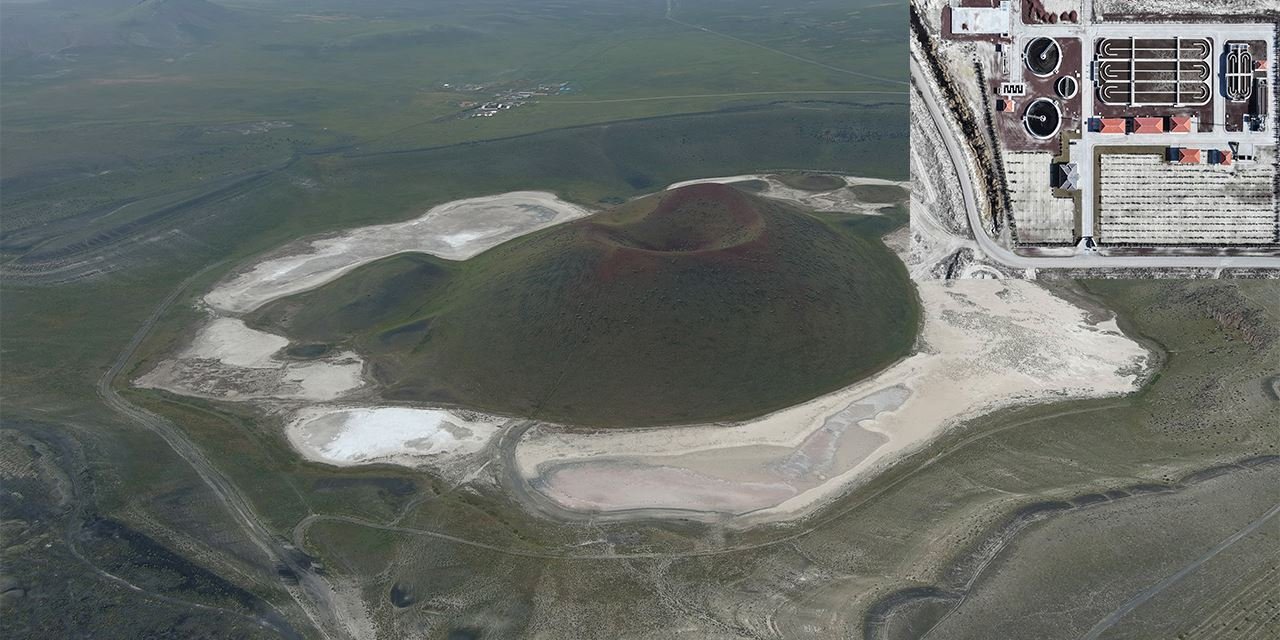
point(312, 593)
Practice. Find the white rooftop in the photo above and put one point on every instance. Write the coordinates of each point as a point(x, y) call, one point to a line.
point(981, 20)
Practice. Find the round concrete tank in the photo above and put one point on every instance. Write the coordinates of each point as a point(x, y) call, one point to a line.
point(1042, 119)
point(1067, 87)
point(1043, 56)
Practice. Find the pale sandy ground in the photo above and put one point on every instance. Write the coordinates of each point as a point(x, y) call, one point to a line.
point(1186, 7)
point(838, 199)
point(711, 468)
point(985, 345)
point(230, 361)
point(455, 231)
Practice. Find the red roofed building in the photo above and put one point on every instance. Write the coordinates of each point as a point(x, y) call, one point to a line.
point(1259, 65)
point(1004, 105)
point(1112, 125)
point(1189, 156)
point(1224, 157)
point(1148, 125)
point(1180, 124)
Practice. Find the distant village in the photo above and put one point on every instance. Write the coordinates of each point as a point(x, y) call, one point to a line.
point(504, 99)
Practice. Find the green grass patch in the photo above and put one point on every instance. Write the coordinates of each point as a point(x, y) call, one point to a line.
point(810, 181)
point(880, 193)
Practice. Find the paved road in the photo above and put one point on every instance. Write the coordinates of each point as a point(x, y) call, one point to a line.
point(313, 595)
point(1088, 260)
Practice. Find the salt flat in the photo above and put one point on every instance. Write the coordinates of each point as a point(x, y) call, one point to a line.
point(454, 230)
point(226, 359)
point(346, 436)
point(839, 199)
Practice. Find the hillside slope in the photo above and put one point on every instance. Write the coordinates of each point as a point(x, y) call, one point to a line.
point(78, 24)
point(702, 303)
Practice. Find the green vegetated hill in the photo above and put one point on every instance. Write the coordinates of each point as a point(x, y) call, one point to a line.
point(80, 25)
point(701, 303)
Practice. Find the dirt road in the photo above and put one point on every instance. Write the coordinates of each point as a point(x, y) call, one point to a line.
point(312, 593)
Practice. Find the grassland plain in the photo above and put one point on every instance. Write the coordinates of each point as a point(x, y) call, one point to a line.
point(101, 131)
point(699, 303)
point(385, 524)
point(186, 136)
point(1208, 406)
point(1139, 460)
point(315, 193)
point(144, 142)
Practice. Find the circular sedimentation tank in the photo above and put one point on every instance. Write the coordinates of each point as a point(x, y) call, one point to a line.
point(1042, 119)
point(1067, 87)
point(1043, 56)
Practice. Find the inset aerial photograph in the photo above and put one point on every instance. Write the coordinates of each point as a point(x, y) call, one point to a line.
point(1102, 137)
point(637, 319)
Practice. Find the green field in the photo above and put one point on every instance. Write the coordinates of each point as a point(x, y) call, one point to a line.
point(150, 148)
point(144, 142)
point(700, 304)
point(154, 107)
point(810, 181)
point(877, 192)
